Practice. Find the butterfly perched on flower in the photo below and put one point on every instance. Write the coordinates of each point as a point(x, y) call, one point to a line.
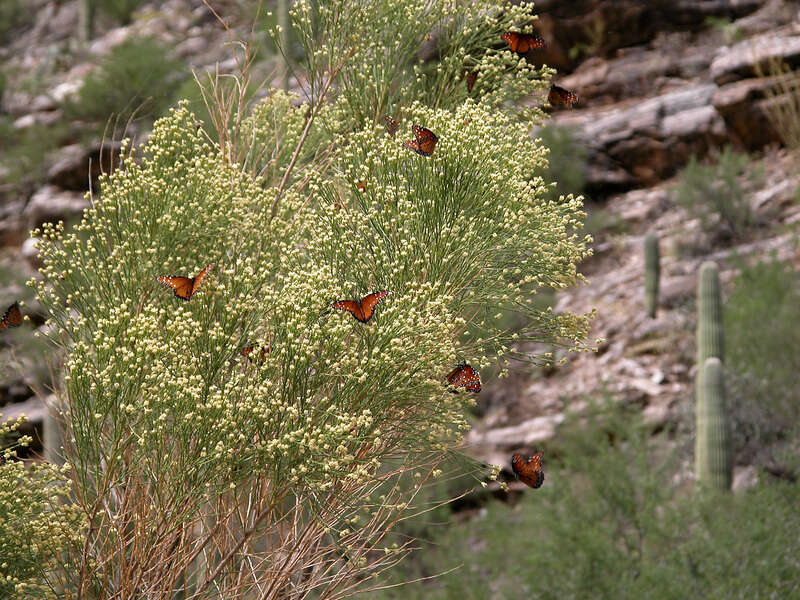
point(391, 125)
point(522, 42)
point(261, 355)
point(528, 471)
point(424, 142)
point(470, 77)
point(12, 317)
point(184, 287)
point(465, 376)
point(559, 95)
point(362, 309)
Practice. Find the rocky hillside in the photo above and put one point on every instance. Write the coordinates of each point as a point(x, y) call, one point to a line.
point(659, 83)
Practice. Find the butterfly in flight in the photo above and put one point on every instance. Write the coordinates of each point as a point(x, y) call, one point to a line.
point(262, 355)
point(470, 77)
point(12, 317)
point(391, 125)
point(522, 42)
point(559, 95)
point(465, 376)
point(184, 287)
point(362, 309)
point(528, 471)
point(424, 142)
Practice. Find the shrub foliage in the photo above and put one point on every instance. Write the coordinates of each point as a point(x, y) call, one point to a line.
point(210, 474)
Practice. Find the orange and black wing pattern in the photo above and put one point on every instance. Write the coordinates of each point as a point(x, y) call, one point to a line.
point(559, 95)
point(184, 287)
point(465, 376)
point(424, 141)
point(528, 471)
point(362, 309)
point(522, 42)
point(391, 125)
point(470, 77)
point(259, 357)
point(12, 317)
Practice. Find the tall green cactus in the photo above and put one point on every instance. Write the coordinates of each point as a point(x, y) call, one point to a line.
point(86, 9)
point(709, 319)
point(713, 453)
point(652, 272)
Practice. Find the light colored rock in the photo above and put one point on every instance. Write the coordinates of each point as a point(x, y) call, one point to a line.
point(527, 433)
point(33, 408)
point(744, 478)
point(740, 60)
point(51, 203)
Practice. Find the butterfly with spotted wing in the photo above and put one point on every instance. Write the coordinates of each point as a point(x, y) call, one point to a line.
point(465, 376)
point(528, 471)
point(184, 287)
point(391, 126)
point(424, 142)
point(362, 309)
point(559, 95)
point(522, 42)
point(12, 317)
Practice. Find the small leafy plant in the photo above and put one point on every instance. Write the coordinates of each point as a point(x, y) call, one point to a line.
point(137, 79)
point(717, 194)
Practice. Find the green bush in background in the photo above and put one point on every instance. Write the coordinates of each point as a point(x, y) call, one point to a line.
point(717, 193)
point(761, 316)
point(566, 161)
point(136, 79)
point(613, 521)
point(119, 10)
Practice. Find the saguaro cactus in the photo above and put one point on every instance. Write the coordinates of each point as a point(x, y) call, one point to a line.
point(652, 272)
point(709, 319)
point(713, 453)
point(86, 10)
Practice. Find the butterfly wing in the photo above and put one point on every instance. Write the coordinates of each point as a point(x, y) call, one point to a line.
point(368, 303)
point(351, 306)
point(471, 78)
point(559, 95)
point(184, 287)
point(181, 286)
point(465, 376)
point(530, 41)
point(424, 142)
point(198, 279)
point(248, 350)
point(12, 317)
point(391, 125)
point(522, 42)
point(528, 471)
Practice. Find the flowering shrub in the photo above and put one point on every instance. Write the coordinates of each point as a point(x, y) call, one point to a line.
point(35, 524)
point(278, 474)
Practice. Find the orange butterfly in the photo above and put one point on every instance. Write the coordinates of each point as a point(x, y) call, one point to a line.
point(522, 42)
point(361, 185)
point(362, 309)
point(184, 287)
point(465, 376)
point(391, 125)
point(12, 317)
point(248, 350)
point(425, 141)
point(470, 77)
point(559, 95)
point(528, 471)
